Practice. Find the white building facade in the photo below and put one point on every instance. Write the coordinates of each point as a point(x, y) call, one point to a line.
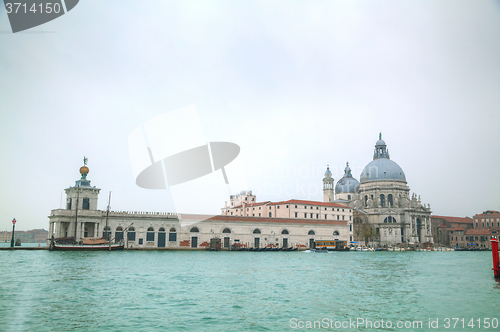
point(160, 230)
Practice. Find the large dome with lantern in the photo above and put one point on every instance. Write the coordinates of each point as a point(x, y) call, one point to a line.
point(382, 168)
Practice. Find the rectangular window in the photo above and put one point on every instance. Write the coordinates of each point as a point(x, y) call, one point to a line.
point(295, 206)
point(172, 237)
point(305, 215)
point(311, 215)
point(150, 236)
point(259, 214)
point(338, 217)
point(317, 215)
point(350, 218)
point(296, 214)
point(68, 205)
point(326, 216)
point(131, 236)
point(86, 204)
point(343, 217)
point(141, 241)
point(278, 206)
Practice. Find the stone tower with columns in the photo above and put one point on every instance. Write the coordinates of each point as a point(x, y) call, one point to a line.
point(328, 194)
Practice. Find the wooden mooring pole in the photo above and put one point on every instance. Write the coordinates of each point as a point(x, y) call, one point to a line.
point(496, 264)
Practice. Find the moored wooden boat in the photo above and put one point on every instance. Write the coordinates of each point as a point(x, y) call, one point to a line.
point(87, 247)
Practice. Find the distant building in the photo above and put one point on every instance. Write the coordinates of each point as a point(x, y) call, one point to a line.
point(485, 226)
point(448, 230)
point(479, 238)
point(244, 204)
point(487, 220)
point(32, 236)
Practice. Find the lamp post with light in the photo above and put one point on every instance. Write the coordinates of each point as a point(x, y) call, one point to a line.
point(13, 226)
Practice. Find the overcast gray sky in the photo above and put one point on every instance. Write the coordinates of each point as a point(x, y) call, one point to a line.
point(296, 84)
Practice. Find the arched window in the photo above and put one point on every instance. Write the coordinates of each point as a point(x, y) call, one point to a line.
point(382, 200)
point(336, 233)
point(270, 214)
point(390, 200)
point(390, 219)
point(256, 231)
point(118, 234)
point(194, 230)
point(161, 229)
point(150, 235)
point(284, 231)
point(131, 234)
point(311, 232)
point(172, 235)
point(226, 230)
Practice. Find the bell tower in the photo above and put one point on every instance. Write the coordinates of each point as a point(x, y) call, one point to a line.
point(328, 194)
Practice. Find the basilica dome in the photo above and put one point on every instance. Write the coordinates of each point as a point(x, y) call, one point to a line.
point(347, 184)
point(382, 168)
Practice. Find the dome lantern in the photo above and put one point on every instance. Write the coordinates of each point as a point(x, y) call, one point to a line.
point(380, 149)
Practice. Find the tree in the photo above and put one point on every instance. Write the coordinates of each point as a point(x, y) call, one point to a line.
point(367, 233)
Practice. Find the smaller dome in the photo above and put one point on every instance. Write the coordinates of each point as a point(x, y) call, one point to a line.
point(380, 142)
point(347, 184)
point(242, 192)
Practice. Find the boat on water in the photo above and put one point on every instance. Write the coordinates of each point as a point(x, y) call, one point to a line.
point(92, 244)
point(87, 243)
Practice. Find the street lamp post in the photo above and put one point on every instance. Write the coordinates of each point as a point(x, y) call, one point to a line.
point(13, 226)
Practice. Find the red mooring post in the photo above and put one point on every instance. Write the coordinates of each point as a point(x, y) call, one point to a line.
point(494, 251)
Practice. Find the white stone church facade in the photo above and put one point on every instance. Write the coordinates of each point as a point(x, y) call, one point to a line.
point(381, 201)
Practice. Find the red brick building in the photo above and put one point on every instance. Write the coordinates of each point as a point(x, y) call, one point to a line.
point(447, 231)
point(487, 220)
point(485, 226)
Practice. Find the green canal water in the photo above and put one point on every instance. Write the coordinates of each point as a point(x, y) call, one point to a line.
point(246, 291)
